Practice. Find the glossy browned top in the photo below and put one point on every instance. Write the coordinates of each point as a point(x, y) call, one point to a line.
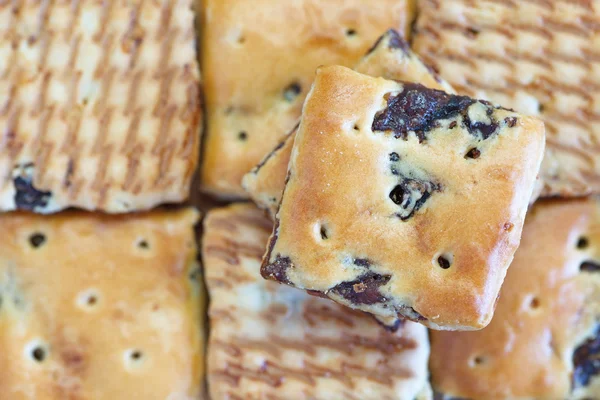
point(548, 306)
point(372, 212)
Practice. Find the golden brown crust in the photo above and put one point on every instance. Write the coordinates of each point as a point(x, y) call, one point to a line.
point(271, 341)
point(100, 105)
point(390, 58)
point(547, 308)
point(259, 60)
point(421, 222)
point(99, 307)
point(539, 57)
point(265, 183)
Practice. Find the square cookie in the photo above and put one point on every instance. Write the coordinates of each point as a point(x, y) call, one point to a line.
point(541, 58)
point(390, 58)
point(404, 201)
point(543, 342)
point(100, 307)
point(99, 104)
point(259, 59)
point(272, 341)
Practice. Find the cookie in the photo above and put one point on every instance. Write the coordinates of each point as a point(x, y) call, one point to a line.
point(390, 58)
point(100, 105)
point(404, 201)
point(543, 342)
point(272, 341)
point(541, 58)
point(100, 307)
point(259, 60)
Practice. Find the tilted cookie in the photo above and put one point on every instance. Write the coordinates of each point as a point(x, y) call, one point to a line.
point(271, 341)
point(259, 60)
point(100, 307)
point(543, 342)
point(404, 201)
point(390, 58)
point(540, 58)
point(99, 104)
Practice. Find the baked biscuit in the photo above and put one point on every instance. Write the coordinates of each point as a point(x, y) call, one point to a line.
point(100, 307)
point(543, 342)
point(404, 201)
point(259, 60)
point(390, 58)
point(272, 341)
point(541, 58)
point(99, 104)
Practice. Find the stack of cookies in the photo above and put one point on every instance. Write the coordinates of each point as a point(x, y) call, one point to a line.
point(396, 191)
point(398, 199)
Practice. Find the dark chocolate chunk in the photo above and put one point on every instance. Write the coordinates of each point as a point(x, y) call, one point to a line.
point(511, 121)
point(398, 323)
point(395, 41)
point(484, 129)
point(316, 293)
point(362, 262)
point(277, 270)
point(418, 109)
point(27, 197)
point(411, 314)
point(411, 191)
point(590, 266)
point(473, 153)
point(586, 361)
point(411, 194)
point(364, 290)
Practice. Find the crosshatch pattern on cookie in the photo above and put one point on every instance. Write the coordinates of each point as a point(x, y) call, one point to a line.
point(101, 104)
point(271, 340)
point(541, 58)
